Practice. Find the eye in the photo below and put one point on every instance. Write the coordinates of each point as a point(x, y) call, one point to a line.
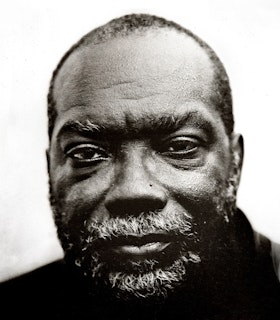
point(87, 154)
point(180, 147)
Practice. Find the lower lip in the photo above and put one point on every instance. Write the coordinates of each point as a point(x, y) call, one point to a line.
point(148, 248)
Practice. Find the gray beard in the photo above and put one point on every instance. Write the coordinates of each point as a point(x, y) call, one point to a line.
point(126, 279)
point(151, 278)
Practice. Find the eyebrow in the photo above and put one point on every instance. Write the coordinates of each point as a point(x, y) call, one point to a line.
point(152, 124)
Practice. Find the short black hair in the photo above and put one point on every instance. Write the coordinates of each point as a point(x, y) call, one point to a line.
point(133, 23)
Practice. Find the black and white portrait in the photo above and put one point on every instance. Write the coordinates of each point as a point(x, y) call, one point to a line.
point(139, 160)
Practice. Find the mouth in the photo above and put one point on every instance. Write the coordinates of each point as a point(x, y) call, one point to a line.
point(138, 248)
point(143, 250)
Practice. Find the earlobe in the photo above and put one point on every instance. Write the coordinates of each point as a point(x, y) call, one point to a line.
point(48, 159)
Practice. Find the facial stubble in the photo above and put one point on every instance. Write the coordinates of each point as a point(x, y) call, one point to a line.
point(153, 277)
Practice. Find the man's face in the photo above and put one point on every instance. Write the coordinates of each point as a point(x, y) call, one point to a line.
point(140, 163)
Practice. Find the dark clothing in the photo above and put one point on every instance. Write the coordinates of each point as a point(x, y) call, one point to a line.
point(243, 287)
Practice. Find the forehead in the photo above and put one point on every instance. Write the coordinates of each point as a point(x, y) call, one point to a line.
point(150, 73)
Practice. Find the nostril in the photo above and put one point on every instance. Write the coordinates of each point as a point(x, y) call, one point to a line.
point(132, 207)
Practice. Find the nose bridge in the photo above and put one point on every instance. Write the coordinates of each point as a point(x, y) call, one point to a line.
point(133, 167)
point(135, 187)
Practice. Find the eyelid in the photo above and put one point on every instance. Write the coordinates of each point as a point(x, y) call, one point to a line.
point(68, 149)
point(188, 133)
point(183, 137)
point(90, 154)
point(188, 138)
point(185, 147)
point(78, 144)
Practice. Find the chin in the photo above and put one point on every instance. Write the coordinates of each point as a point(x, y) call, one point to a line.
point(145, 280)
point(153, 284)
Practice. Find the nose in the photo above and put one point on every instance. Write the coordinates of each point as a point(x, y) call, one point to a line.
point(135, 188)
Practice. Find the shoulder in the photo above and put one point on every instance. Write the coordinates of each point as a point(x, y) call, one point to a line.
point(44, 276)
point(42, 289)
point(268, 254)
point(53, 291)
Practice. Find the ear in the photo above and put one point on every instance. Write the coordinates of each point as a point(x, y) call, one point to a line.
point(237, 147)
point(48, 159)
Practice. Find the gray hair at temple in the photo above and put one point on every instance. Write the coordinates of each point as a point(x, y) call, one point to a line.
point(133, 23)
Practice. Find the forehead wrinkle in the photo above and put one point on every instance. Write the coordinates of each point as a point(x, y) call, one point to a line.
point(85, 68)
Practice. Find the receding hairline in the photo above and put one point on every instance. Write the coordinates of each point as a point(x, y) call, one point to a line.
point(109, 32)
point(141, 24)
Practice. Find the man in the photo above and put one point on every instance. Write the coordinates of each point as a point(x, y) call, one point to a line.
point(144, 167)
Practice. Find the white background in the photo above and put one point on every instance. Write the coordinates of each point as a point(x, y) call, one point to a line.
point(33, 37)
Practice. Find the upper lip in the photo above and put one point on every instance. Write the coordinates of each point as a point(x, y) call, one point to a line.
point(135, 240)
point(140, 240)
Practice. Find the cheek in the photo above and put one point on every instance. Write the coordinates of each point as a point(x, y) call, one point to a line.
point(198, 190)
point(79, 197)
point(71, 184)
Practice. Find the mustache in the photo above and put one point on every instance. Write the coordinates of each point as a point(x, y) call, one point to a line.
point(142, 227)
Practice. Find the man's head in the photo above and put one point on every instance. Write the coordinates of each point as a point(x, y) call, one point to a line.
point(142, 23)
point(143, 162)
